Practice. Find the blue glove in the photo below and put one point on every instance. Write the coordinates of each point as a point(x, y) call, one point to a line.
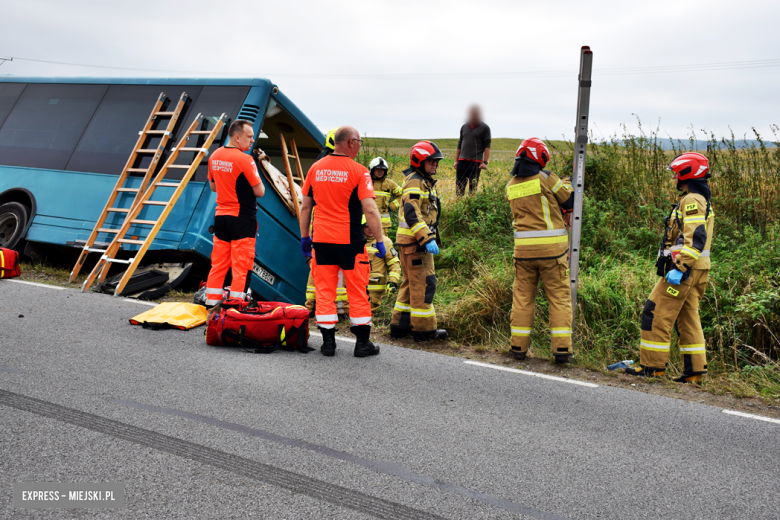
point(674, 277)
point(306, 246)
point(381, 251)
point(432, 248)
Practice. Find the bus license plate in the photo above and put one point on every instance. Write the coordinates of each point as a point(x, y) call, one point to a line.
point(263, 273)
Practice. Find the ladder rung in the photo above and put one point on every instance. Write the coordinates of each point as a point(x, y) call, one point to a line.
point(168, 184)
point(150, 222)
point(138, 170)
point(200, 132)
point(146, 150)
point(118, 261)
point(157, 132)
point(91, 250)
point(107, 230)
point(119, 210)
point(180, 166)
point(191, 149)
point(130, 241)
point(131, 190)
point(163, 113)
point(155, 203)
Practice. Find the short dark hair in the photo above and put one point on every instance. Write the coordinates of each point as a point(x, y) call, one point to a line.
point(237, 126)
point(343, 134)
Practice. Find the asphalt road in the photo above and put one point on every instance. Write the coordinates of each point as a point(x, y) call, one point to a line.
point(200, 432)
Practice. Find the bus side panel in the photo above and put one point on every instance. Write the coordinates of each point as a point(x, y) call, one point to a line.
point(69, 204)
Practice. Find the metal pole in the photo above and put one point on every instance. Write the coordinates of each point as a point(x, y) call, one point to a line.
point(578, 172)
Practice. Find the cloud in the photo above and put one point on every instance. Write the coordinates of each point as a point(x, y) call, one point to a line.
point(265, 39)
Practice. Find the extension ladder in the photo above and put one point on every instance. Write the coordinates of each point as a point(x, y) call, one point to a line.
point(298, 168)
point(102, 267)
point(140, 149)
point(578, 172)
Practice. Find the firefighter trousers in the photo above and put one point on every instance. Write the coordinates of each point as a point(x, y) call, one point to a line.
point(554, 273)
point(376, 297)
point(414, 307)
point(666, 305)
point(326, 281)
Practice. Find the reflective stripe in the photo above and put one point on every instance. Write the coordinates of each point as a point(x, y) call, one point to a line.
point(393, 261)
point(700, 347)
point(412, 190)
point(377, 287)
point(237, 294)
point(326, 325)
point(692, 252)
point(213, 302)
point(310, 288)
point(695, 219)
point(561, 331)
point(385, 215)
point(360, 321)
point(341, 290)
point(417, 227)
point(423, 313)
point(540, 233)
point(557, 186)
point(403, 307)
point(652, 345)
point(537, 241)
point(706, 252)
point(546, 210)
point(213, 291)
point(372, 250)
point(403, 224)
point(517, 331)
point(382, 193)
point(405, 232)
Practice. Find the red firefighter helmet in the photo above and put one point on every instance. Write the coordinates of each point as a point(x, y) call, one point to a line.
point(422, 151)
point(534, 149)
point(690, 165)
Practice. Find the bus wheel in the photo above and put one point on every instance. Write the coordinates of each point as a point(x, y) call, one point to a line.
point(13, 221)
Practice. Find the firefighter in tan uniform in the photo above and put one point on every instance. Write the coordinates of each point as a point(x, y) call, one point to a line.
point(539, 201)
point(386, 190)
point(684, 264)
point(385, 272)
point(418, 219)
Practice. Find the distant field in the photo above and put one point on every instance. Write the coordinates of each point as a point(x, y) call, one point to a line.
point(504, 144)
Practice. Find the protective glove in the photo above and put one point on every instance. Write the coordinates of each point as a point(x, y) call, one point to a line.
point(381, 251)
point(432, 248)
point(306, 246)
point(392, 287)
point(674, 277)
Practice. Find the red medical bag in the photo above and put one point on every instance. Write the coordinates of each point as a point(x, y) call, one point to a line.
point(263, 329)
point(9, 263)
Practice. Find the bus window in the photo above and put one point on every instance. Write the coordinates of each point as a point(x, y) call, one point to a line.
point(279, 121)
point(211, 102)
point(111, 135)
point(9, 93)
point(46, 123)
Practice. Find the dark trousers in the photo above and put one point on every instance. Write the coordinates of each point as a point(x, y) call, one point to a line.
point(467, 171)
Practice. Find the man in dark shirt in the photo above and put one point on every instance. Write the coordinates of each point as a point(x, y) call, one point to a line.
point(473, 152)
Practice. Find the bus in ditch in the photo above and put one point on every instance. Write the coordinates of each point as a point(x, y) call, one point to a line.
point(64, 141)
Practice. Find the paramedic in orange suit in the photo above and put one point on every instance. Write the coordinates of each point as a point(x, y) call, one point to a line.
point(343, 191)
point(234, 177)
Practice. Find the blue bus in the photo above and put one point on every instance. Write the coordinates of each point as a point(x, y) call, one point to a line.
point(64, 141)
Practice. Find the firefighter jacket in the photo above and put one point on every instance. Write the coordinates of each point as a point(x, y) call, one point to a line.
point(418, 216)
point(386, 191)
point(383, 270)
point(689, 232)
point(536, 209)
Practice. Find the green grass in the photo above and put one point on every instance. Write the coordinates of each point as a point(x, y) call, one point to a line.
point(628, 193)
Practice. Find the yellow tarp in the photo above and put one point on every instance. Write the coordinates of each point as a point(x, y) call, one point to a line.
point(174, 314)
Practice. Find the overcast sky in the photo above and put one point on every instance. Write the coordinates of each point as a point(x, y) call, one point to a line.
point(379, 41)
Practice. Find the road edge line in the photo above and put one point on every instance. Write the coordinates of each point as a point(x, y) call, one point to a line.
point(751, 416)
point(534, 374)
point(139, 302)
point(36, 284)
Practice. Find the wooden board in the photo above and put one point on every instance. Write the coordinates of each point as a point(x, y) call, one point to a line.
point(279, 182)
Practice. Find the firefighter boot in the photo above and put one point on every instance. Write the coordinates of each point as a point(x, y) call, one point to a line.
point(430, 335)
point(397, 332)
point(645, 372)
point(363, 345)
point(519, 354)
point(694, 379)
point(562, 359)
point(328, 342)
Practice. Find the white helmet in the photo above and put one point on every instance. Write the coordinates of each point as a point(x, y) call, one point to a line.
point(377, 162)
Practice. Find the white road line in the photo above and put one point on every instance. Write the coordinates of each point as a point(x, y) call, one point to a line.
point(342, 338)
point(139, 302)
point(752, 416)
point(534, 374)
point(38, 285)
